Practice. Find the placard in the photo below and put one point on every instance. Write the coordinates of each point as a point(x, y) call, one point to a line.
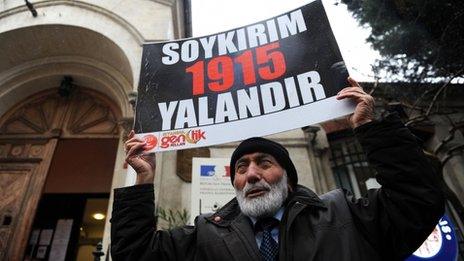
point(272, 76)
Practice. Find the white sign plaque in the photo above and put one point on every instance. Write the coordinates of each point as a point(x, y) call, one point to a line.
point(211, 187)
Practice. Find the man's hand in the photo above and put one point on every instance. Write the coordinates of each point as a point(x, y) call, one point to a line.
point(143, 164)
point(364, 111)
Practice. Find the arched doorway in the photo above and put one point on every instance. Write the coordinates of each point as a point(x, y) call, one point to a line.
point(88, 56)
point(35, 137)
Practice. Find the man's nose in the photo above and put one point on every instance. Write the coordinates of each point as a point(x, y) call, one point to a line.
point(253, 173)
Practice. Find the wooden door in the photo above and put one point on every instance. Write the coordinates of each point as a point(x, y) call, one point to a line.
point(23, 170)
point(28, 137)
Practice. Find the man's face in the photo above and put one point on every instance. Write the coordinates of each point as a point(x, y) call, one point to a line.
point(260, 184)
point(253, 167)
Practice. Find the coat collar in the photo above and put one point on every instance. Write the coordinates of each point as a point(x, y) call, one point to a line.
point(225, 215)
point(229, 212)
point(305, 196)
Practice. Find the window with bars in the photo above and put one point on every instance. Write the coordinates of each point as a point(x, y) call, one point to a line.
point(349, 165)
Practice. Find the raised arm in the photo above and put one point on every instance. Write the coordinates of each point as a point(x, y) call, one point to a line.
point(399, 216)
point(133, 224)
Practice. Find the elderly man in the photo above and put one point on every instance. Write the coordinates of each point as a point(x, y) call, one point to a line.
point(274, 218)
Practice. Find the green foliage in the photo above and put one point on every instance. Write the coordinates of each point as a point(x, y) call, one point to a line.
point(418, 39)
point(173, 218)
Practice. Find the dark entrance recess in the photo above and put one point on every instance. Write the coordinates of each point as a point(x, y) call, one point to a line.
point(77, 187)
point(82, 166)
point(84, 232)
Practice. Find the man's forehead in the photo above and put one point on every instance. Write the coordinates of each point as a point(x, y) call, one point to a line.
point(255, 155)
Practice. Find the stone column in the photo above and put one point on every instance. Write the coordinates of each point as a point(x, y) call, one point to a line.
point(445, 144)
point(318, 152)
point(119, 177)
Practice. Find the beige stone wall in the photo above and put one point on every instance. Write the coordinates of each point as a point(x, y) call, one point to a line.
point(97, 42)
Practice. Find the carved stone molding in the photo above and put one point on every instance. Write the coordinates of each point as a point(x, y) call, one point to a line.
point(34, 117)
point(12, 151)
point(125, 126)
point(89, 116)
point(85, 114)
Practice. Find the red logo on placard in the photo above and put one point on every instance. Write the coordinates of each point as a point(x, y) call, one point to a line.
point(181, 138)
point(151, 141)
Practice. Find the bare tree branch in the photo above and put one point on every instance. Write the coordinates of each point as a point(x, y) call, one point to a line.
point(443, 87)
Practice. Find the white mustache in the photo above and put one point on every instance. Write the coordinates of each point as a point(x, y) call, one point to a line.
point(267, 203)
point(258, 185)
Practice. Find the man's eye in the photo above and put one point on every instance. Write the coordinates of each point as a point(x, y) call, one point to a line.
point(265, 163)
point(241, 169)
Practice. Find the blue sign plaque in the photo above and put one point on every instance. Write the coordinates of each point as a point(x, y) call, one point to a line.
point(441, 245)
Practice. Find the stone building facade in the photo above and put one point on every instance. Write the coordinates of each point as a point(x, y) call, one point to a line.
point(69, 70)
point(68, 81)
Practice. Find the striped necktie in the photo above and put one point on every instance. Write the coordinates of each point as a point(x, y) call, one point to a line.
point(269, 248)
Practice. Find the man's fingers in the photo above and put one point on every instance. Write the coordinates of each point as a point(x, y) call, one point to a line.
point(131, 134)
point(353, 82)
point(129, 145)
point(353, 95)
point(150, 159)
point(352, 88)
point(134, 150)
point(131, 141)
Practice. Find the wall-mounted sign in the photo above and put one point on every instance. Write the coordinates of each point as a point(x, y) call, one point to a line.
point(272, 76)
point(211, 187)
point(61, 239)
point(45, 237)
point(441, 245)
point(41, 252)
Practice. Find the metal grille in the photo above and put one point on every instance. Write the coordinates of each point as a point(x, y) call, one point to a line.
point(350, 167)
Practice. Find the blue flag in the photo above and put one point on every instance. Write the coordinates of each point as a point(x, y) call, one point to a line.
point(207, 170)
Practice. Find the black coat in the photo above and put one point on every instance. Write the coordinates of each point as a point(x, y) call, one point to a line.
point(388, 224)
